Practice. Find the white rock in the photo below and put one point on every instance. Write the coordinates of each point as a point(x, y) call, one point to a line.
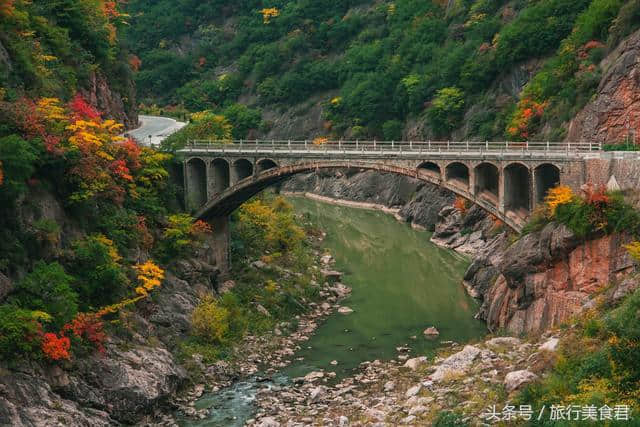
point(345, 310)
point(431, 332)
point(262, 310)
point(260, 265)
point(316, 394)
point(498, 342)
point(414, 363)
point(375, 414)
point(389, 385)
point(226, 287)
point(313, 376)
point(550, 345)
point(458, 362)
point(326, 259)
point(334, 362)
point(514, 380)
point(268, 422)
point(413, 390)
point(408, 420)
point(417, 410)
point(343, 421)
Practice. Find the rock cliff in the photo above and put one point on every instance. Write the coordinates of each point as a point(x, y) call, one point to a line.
point(544, 278)
point(614, 113)
point(418, 202)
point(118, 105)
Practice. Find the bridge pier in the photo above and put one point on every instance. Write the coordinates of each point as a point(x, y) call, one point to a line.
point(221, 243)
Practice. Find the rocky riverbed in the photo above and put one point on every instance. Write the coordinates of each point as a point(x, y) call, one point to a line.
point(413, 390)
point(266, 354)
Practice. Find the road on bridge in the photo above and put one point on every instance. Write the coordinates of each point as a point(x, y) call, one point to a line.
point(154, 129)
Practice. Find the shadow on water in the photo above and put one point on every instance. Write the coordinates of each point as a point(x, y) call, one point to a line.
point(402, 284)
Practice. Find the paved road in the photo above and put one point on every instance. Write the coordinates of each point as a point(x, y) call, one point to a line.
point(153, 129)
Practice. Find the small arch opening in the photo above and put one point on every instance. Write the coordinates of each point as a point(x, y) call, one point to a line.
point(265, 164)
point(220, 175)
point(430, 168)
point(196, 183)
point(547, 177)
point(517, 184)
point(457, 174)
point(487, 182)
point(242, 168)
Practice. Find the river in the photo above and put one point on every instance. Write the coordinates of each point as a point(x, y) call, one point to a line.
point(401, 284)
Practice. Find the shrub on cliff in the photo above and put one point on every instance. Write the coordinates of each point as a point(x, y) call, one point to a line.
point(595, 210)
point(100, 278)
point(47, 288)
point(210, 321)
point(182, 236)
point(265, 224)
point(20, 331)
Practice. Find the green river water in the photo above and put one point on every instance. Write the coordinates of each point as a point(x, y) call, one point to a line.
point(401, 284)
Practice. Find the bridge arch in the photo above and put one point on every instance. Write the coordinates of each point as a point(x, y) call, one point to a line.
point(546, 176)
point(196, 181)
point(220, 176)
point(225, 203)
point(457, 173)
point(265, 164)
point(517, 176)
point(431, 168)
point(241, 169)
point(487, 182)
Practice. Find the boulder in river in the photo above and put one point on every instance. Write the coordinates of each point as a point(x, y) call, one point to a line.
point(431, 332)
point(331, 275)
point(345, 310)
point(414, 363)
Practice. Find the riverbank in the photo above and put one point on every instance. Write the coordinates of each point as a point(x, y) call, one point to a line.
point(412, 296)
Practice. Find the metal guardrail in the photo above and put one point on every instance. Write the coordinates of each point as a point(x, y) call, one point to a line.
point(274, 146)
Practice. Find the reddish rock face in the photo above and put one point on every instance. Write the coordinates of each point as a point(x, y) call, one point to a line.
point(615, 112)
point(121, 107)
point(555, 290)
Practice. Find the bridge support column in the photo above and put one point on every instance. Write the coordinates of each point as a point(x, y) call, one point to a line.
point(221, 243)
point(501, 193)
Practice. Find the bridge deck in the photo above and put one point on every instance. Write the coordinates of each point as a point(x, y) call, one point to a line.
point(398, 149)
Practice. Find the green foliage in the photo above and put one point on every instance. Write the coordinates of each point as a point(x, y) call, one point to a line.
point(449, 419)
point(100, 279)
point(268, 225)
point(386, 63)
point(47, 288)
point(182, 236)
point(210, 321)
point(392, 130)
point(242, 119)
point(19, 332)
point(18, 159)
point(204, 126)
point(447, 110)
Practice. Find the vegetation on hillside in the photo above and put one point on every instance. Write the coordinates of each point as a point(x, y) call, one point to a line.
point(51, 48)
point(594, 211)
point(379, 65)
point(264, 229)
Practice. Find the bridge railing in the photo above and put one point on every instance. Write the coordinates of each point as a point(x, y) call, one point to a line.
point(386, 146)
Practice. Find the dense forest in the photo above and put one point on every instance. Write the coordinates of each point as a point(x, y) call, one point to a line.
point(380, 68)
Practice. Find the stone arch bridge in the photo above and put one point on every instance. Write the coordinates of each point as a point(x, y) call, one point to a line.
point(507, 179)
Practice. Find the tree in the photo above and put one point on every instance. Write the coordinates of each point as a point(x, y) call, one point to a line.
point(18, 158)
point(48, 288)
point(446, 110)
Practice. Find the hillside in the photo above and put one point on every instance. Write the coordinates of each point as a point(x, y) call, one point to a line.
point(60, 48)
point(363, 69)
